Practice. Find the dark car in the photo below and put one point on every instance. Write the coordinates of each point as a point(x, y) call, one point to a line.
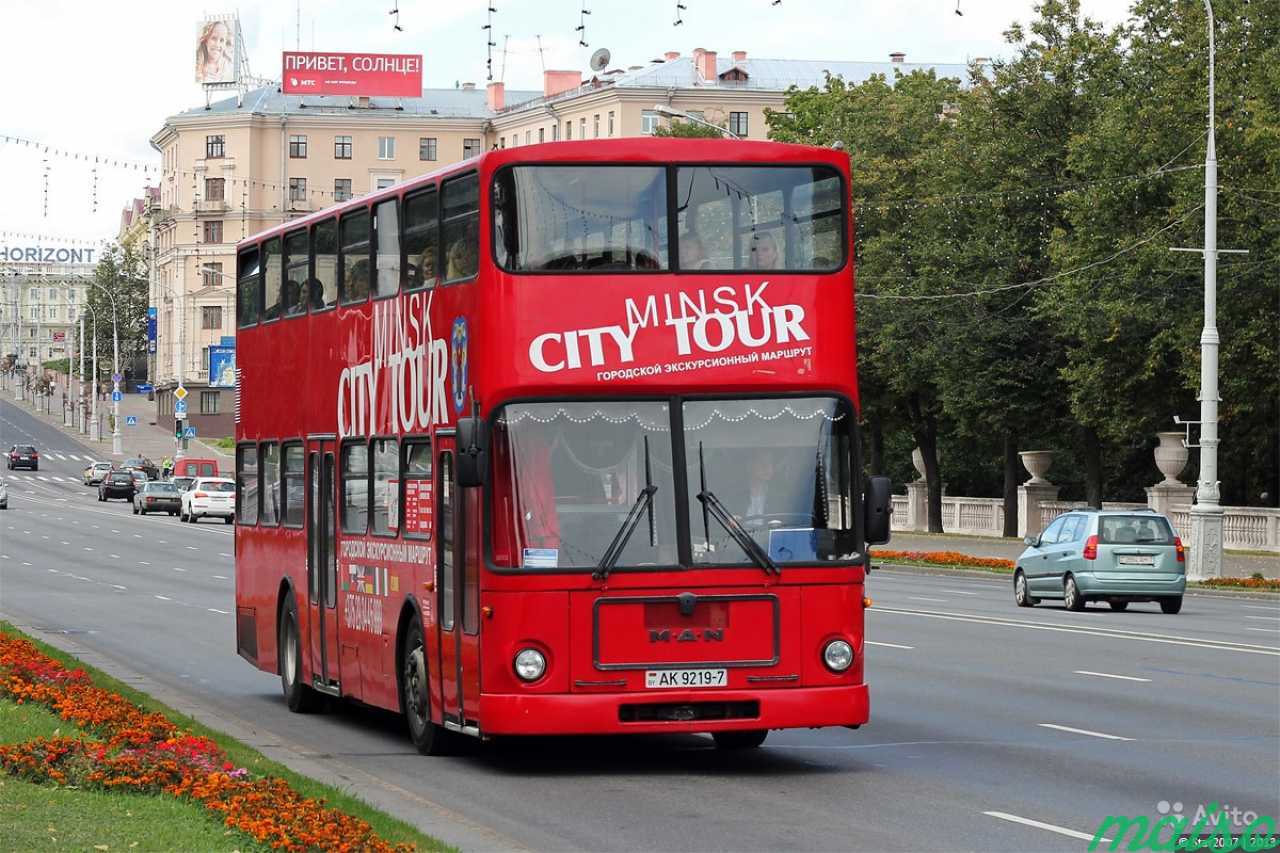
point(23, 456)
point(143, 464)
point(117, 484)
point(157, 496)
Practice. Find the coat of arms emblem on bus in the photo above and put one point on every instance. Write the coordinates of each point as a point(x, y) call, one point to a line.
point(458, 363)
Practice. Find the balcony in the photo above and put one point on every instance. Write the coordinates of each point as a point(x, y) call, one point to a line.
point(206, 206)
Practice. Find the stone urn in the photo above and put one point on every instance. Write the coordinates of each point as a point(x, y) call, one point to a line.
point(1171, 457)
point(1037, 463)
point(917, 460)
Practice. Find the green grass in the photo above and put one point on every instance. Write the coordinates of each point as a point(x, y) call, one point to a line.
point(221, 443)
point(390, 828)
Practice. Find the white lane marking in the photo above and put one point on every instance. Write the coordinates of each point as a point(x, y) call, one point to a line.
point(1272, 608)
point(216, 610)
point(1110, 675)
point(1103, 633)
point(178, 569)
point(163, 542)
point(957, 592)
point(65, 542)
point(1103, 735)
point(55, 479)
point(1263, 618)
point(164, 598)
point(1026, 821)
point(115, 531)
point(886, 645)
point(224, 555)
point(25, 563)
point(42, 477)
point(1264, 630)
point(922, 598)
point(87, 548)
point(143, 563)
point(118, 586)
point(58, 456)
point(221, 578)
point(137, 536)
point(192, 548)
point(53, 571)
point(114, 556)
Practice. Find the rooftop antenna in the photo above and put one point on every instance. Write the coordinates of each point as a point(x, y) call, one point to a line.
point(542, 59)
point(582, 25)
point(680, 7)
point(600, 59)
point(502, 75)
point(489, 42)
point(396, 26)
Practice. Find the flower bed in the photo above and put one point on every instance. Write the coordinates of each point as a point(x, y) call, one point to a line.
point(946, 559)
point(1271, 584)
point(122, 747)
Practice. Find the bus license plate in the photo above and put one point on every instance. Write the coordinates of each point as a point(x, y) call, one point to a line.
point(659, 678)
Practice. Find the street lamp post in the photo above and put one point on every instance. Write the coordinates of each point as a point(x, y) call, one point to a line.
point(672, 112)
point(80, 419)
point(95, 427)
point(116, 442)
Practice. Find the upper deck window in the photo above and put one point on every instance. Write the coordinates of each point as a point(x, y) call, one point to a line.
point(356, 270)
point(581, 218)
point(760, 218)
point(322, 291)
point(248, 288)
point(272, 274)
point(421, 229)
point(388, 255)
point(297, 266)
point(461, 227)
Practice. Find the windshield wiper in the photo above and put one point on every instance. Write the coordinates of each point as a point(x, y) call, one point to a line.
point(736, 531)
point(623, 536)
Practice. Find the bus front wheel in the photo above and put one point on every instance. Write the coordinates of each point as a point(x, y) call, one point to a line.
point(429, 738)
point(740, 740)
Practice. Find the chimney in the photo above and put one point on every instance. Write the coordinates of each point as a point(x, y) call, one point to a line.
point(495, 96)
point(468, 87)
point(671, 55)
point(555, 82)
point(898, 57)
point(704, 64)
point(739, 56)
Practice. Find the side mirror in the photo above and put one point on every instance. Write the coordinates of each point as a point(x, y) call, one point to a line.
point(877, 507)
point(1033, 541)
point(473, 452)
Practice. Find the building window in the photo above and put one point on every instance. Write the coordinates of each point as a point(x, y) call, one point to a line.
point(595, 121)
point(32, 352)
point(342, 148)
point(648, 122)
point(568, 130)
point(611, 122)
point(297, 189)
point(383, 183)
point(35, 315)
point(212, 275)
point(515, 140)
point(738, 124)
point(555, 132)
point(298, 147)
point(213, 231)
point(470, 148)
point(386, 148)
point(211, 316)
point(427, 148)
point(53, 294)
point(528, 137)
point(209, 402)
point(341, 189)
point(215, 146)
point(582, 128)
point(214, 189)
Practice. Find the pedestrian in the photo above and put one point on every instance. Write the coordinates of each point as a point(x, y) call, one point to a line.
point(167, 466)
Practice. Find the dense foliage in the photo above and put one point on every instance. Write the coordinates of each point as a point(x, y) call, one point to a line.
point(1016, 285)
point(120, 284)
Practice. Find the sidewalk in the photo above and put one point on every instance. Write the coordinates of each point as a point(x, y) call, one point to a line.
point(144, 439)
point(1234, 563)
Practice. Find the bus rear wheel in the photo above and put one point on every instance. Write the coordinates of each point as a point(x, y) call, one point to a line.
point(740, 740)
point(429, 738)
point(300, 698)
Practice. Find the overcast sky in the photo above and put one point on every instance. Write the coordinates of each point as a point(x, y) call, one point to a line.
point(99, 78)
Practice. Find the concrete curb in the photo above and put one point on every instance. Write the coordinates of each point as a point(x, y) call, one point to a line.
point(1243, 594)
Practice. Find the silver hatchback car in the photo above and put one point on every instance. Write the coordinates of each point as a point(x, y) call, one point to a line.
point(1093, 555)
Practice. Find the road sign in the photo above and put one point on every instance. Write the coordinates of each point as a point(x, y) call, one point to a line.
point(180, 393)
point(116, 377)
point(130, 420)
point(180, 407)
point(189, 432)
point(116, 396)
point(180, 416)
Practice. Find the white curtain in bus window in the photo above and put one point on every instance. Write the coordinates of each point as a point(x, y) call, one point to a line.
point(388, 257)
point(385, 503)
point(575, 218)
point(248, 288)
point(273, 274)
point(270, 483)
point(421, 231)
point(247, 483)
point(297, 262)
point(294, 493)
point(759, 218)
point(322, 292)
point(355, 257)
point(461, 227)
point(355, 488)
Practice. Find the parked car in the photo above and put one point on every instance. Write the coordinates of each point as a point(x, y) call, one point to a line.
point(157, 496)
point(193, 467)
point(117, 484)
point(210, 496)
point(183, 483)
point(24, 456)
point(1116, 556)
point(143, 464)
point(4, 495)
point(94, 472)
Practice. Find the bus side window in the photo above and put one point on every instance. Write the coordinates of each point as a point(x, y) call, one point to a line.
point(416, 477)
point(296, 265)
point(385, 499)
point(247, 484)
point(272, 274)
point(322, 291)
point(354, 259)
point(248, 289)
point(421, 239)
point(355, 488)
point(387, 228)
point(269, 466)
point(461, 216)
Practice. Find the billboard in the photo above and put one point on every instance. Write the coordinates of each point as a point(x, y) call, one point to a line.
point(218, 50)
point(387, 74)
point(222, 367)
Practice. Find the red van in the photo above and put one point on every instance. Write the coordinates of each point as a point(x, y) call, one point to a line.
point(192, 467)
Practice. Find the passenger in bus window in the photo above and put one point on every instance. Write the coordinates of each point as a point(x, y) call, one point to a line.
point(427, 267)
point(692, 255)
point(461, 260)
point(293, 303)
point(315, 293)
point(764, 252)
point(358, 279)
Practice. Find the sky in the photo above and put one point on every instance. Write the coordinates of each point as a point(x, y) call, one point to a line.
point(99, 79)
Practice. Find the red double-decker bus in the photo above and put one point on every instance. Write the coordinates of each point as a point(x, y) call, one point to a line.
point(561, 439)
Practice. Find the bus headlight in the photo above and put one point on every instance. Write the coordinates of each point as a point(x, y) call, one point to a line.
point(838, 655)
point(530, 664)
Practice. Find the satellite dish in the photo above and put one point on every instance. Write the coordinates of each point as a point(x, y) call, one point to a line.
point(600, 59)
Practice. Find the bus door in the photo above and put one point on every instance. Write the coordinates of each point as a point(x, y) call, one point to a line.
point(322, 566)
point(458, 598)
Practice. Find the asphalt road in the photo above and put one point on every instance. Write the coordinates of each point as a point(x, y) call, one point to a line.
point(993, 727)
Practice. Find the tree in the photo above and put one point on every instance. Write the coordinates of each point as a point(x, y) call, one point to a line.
point(690, 130)
point(119, 282)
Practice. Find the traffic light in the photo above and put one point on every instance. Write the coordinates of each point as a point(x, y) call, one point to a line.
point(177, 428)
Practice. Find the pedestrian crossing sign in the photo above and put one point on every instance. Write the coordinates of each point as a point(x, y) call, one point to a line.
point(190, 432)
point(130, 420)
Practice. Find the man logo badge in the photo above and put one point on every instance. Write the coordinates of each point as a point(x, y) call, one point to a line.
point(688, 635)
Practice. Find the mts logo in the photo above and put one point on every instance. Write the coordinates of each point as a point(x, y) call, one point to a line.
point(688, 635)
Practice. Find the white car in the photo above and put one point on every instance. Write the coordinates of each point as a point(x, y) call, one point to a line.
point(209, 496)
